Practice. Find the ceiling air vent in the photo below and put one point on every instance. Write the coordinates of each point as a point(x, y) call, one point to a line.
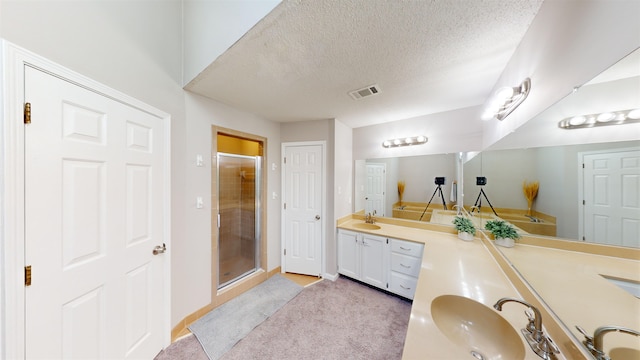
point(364, 92)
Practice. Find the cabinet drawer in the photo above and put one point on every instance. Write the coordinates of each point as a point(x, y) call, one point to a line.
point(405, 264)
point(402, 284)
point(407, 247)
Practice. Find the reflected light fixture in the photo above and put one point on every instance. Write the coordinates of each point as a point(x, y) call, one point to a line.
point(602, 119)
point(413, 140)
point(505, 100)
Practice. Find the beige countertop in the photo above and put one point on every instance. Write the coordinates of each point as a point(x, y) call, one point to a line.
point(565, 275)
point(455, 267)
point(578, 293)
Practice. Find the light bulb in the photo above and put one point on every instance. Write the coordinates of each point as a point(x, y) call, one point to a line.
point(604, 117)
point(577, 120)
point(634, 114)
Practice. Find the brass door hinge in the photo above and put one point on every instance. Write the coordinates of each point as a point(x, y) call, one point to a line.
point(27, 275)
point(27, 113)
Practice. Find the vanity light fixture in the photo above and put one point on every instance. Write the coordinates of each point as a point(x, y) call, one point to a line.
point(505, 100)
point(413, 140)
point(601, 119)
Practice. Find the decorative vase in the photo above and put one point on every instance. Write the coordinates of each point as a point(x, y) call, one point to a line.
point(529, 206)
point(465, 236)
point(505, 242)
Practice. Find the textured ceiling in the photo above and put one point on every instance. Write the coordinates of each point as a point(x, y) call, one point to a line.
point(427, 56)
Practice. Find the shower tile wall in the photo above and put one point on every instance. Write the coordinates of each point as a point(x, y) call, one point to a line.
point(230, 213)
point(248, 216)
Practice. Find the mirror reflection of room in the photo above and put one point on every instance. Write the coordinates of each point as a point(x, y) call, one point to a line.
point(570, 201)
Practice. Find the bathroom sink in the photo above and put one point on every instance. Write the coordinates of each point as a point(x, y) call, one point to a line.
point(476, 327)
point(366, 226)
point(624, 353)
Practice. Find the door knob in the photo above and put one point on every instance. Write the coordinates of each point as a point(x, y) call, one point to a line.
point(317, 217)
point(159, 249)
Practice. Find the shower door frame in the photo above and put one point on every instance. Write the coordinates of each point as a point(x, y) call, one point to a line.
point(257, 236)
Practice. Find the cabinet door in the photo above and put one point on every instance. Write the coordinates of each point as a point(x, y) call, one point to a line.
point(348, 254)
point(373, 262)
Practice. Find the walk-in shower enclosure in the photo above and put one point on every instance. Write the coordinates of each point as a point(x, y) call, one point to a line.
point(239, 216)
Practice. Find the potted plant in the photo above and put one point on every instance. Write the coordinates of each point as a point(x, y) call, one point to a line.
point(466, 229)
point(503, 232)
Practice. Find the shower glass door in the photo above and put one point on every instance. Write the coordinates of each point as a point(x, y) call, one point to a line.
point(238, 225)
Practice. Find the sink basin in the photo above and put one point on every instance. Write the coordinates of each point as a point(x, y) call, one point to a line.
point(624, 353)
point(476, 327)
point(366, 226)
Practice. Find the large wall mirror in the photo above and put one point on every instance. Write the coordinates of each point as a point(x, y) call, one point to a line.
point(540, 151)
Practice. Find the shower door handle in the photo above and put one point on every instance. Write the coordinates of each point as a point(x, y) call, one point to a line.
point(317, 217)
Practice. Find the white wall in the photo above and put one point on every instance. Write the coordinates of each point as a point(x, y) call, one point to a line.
point(192, 259)
point(419, 173)
point(342, 187)
point(447, 133)
point(567, 44)
point(343, 174)
point(136, 47)
point(211, 27)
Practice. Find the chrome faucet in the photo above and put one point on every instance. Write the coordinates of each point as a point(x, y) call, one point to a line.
point(541, 344)
point(370, 218)
point(536, 329)
point(595, 344)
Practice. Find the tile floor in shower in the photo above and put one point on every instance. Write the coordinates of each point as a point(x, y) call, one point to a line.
point(233, 267)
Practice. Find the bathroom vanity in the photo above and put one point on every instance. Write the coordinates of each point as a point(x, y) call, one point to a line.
point(381, 261)
point(478, 271)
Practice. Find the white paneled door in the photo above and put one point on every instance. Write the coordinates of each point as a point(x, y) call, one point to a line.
point(375, 189)
point(94, 213)
point(612, 198)
point(303, 212)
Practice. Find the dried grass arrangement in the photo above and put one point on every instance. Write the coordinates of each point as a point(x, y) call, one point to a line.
point(530, 191)
point(401, 186)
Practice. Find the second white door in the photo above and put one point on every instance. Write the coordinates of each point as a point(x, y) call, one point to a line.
point(303, 209)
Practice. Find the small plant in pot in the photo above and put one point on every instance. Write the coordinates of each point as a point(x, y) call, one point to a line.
point(503, 232)
point(466, 229)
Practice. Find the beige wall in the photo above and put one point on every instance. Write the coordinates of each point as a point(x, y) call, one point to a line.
point(192, 259)
point(141, 56)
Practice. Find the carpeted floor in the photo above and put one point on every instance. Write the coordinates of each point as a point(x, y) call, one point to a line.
point(329, 320)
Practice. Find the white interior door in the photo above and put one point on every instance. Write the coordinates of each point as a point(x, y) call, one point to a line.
point(303, 209)
point(375, 189)
point(94, 212)
point(612, 198)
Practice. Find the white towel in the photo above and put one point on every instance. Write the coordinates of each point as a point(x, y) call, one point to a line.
point(454, 192)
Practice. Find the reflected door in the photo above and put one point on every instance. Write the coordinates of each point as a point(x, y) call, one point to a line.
point(374, 189)
point(238, 205)
point(612, 198)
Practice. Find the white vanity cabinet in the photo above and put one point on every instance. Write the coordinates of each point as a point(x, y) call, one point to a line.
point(363, 257)
point(386, 263)
point(406, 259)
